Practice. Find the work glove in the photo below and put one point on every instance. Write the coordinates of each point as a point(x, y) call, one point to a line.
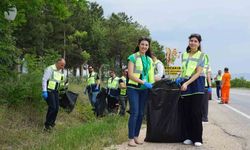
point(209, 90)
point(45, 95)
point(178, 81)
point(148, 85)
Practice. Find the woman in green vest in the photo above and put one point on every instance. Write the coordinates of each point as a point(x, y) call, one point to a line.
point(192, 90)
point(141, 77)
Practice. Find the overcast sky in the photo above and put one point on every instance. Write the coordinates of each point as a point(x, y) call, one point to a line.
point(223, 24)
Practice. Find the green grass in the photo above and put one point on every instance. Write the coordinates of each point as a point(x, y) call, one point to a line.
point(21, 127)
point(92, 135)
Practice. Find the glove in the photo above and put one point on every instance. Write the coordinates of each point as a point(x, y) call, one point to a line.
point(97, 87)
point(209, 90)
point(148, 85)
point(45, 95)
point(178, 81)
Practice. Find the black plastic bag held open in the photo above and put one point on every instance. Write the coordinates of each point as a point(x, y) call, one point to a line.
point(163, 113)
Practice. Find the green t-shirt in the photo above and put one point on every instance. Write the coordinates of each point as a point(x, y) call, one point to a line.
point(146, 67)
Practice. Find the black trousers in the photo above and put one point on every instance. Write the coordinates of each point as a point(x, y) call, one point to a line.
point(53, 107)
point(204, 107)
point(192, 117)
point(113, 104)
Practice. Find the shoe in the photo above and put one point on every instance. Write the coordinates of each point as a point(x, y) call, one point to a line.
point(187, 142)
point(197, 144)
point(221, 102)
point(137, 141)
point(131, 143)
point(47, 129)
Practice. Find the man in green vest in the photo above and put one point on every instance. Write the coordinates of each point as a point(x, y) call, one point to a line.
point(218, 79)
point(123, 92)
point(113, 92)
point(93, 85)
point(51, 82)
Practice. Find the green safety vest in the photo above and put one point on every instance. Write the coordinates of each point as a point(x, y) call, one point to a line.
point(123, 92)
point(206, 68)
point(56, 78)
point(218, 78)
point(113, 84)
point(188, 68)
point(138, 69)
point(92, 78)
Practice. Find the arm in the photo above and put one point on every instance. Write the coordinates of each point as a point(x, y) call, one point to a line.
point(46, 76)
point(130, 73)
point(122, 85)
point(209, 79)
point(199, 70)
point(160, 69)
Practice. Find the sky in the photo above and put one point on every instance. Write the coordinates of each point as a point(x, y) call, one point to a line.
point(223, 24)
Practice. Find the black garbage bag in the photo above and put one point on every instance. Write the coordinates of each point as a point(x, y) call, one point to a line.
point(101, 103)
point(68, 100)
point(163, 113)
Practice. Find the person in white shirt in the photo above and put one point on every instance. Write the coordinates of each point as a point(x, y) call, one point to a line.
point(159, 69)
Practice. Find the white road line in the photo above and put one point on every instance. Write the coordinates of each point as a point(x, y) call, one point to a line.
point(236, 110)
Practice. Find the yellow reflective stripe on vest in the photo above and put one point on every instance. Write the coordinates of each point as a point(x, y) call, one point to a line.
point(92, 78)
point(189, 69)
point(113, 84)
point(137, 68)
point(55, 80)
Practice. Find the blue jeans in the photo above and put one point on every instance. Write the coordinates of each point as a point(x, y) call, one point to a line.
point(92, 98)
point(137, 100)
point(218, 88)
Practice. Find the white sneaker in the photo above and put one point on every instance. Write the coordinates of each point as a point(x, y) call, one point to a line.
point(197, 144)
point(187, 142)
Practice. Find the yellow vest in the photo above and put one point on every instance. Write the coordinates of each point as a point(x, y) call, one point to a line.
point(113, 84)
point(123, 91)
point(206, 68)
point(138, 69)
point(56, 78)
point(92, 78)
point(188, 68)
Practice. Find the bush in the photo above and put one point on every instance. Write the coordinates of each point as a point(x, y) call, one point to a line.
point(240, 82)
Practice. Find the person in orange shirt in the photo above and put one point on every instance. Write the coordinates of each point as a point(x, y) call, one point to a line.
point(225, 87)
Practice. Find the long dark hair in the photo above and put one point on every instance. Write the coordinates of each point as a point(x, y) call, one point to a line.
point(148, 53)
point(198, 37)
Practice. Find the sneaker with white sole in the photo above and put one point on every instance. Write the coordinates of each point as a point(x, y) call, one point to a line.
point(187, 142)
point(197, 144)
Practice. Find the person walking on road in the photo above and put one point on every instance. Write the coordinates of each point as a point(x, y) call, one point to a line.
point(141, 77)
point(225, 86)
point(52, 78)
point(218, 79)
point(192, 90)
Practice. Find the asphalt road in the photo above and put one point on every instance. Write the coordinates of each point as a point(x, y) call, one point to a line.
point(228, 127)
